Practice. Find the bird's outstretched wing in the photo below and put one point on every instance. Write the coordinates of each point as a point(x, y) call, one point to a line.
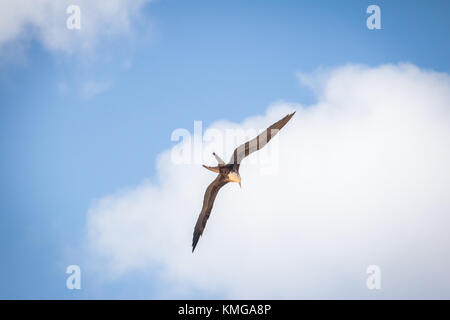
point(208, 201)
point(260, 141)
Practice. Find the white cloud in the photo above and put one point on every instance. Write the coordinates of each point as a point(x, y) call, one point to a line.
point(46, 20)
point(92, 88)
point(363, 180)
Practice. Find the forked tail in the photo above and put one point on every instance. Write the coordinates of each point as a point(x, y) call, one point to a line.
point(213, 169)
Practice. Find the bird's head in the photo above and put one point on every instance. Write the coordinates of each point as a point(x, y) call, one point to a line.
point(234, 176)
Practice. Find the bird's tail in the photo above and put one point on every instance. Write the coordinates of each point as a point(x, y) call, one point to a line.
point(213, 169)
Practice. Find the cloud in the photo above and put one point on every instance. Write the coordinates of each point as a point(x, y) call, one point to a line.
point(363, 180)
point(45, 20)
point(90, 89)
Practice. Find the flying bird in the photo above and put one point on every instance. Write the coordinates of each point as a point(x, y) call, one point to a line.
point(229, 172)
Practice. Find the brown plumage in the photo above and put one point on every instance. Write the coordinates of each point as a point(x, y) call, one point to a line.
point(230, 172)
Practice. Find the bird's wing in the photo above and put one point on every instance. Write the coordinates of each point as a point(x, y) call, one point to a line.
point(260, 141)
point(208, 201)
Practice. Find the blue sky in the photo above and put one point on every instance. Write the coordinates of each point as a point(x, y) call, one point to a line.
point(181, 61)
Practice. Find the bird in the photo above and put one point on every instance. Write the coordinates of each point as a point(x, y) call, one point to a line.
point(229, 172)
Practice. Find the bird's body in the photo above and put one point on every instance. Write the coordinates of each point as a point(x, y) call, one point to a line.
point(229, 172)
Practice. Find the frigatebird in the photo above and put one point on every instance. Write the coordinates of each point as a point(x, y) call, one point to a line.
point(229, 172)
